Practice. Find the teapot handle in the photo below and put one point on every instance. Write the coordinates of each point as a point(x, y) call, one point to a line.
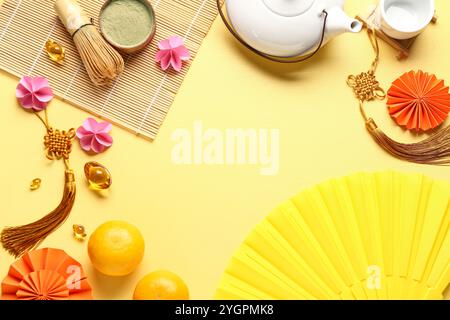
point(267, 56)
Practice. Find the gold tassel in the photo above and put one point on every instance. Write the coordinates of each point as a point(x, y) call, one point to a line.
point(18, 240)
point(433, 150)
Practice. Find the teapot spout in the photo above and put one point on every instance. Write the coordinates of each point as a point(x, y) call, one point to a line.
point(339, 22)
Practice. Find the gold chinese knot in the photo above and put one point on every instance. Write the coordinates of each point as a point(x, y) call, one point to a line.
point(366, 86)
point(58, 144)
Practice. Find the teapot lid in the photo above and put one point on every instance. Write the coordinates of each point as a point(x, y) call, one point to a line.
point(288, 8)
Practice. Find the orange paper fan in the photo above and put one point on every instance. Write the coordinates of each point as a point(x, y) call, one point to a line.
point(46, 274)
point(419, 101)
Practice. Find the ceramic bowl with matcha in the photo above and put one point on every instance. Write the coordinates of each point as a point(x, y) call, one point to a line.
point(128, 25)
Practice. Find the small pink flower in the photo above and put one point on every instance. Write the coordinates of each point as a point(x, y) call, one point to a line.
point(171, 53)
point(94, 136)
point(34, 93)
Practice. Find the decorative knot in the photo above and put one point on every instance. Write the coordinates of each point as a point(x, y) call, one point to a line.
point(366, 86)
point(58, 144)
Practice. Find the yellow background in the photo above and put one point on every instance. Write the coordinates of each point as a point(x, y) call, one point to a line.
point(194, 217)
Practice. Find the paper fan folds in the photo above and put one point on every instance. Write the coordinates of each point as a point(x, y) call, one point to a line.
point(366, 236)
point(46, 274)
point(419, 101)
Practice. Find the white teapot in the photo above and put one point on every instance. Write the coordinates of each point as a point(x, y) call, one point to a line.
point(287, 28)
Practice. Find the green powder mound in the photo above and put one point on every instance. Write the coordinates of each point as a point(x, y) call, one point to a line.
point(126, 22)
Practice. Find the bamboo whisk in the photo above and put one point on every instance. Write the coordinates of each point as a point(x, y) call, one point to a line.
point(102, 62)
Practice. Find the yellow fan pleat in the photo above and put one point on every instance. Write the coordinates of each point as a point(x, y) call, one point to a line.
point(433, 231)
point(263, 276)
point(338, 200)
point(315, 214)
point(233, 288)
point(366, 236)
point(439, 258)
point(409, 202)
point(365, 201)
point(387, 186)
point(387, 189)
point(440, 277)
point(347, 294)
point(306, 253)
point(404, 226)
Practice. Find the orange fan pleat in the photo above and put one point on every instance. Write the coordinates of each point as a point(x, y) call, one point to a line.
point(419, 101)
point(46, 274)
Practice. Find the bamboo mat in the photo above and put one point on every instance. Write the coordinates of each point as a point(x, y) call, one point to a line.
point(141, 97)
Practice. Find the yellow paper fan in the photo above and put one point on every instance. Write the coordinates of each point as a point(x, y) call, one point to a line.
point(365, 236)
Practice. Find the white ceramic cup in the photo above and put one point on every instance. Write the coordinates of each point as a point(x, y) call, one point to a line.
point(405, 19)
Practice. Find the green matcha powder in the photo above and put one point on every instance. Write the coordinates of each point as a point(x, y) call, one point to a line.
point(127, 22)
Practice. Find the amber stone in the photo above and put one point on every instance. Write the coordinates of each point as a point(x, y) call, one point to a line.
point(55, 51)
point(97, 175)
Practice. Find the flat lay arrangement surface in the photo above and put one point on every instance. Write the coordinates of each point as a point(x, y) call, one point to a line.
point(145, 225)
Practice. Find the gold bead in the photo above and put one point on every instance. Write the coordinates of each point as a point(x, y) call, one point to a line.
point(79, 232)
point(35, 184)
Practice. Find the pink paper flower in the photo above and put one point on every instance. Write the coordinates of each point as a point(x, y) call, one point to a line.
point(94, 136)
point(34, 93)
point(171, 53)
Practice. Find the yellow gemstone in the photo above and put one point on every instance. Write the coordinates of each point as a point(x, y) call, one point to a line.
point(35, 184)
point(55, 52)
point(79, 232)
point(97, 175)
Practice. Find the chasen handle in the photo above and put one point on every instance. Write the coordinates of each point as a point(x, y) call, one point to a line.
point(72, 15)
